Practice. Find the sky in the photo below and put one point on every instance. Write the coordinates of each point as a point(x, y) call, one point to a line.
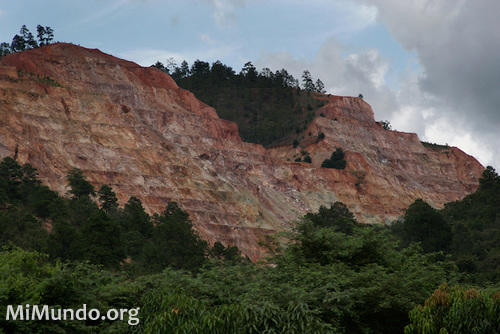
point(428, 66)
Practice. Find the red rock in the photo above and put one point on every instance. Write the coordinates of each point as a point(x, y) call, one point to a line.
point(133, 128)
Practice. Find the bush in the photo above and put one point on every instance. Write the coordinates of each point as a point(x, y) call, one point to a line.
point(295, 143)
point(386, 125)
point(336, 160)
point(456, 310)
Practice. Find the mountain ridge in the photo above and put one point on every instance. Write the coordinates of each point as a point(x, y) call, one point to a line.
point(65, 106)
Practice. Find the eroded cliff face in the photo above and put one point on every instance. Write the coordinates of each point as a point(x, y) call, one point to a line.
point(64, 106)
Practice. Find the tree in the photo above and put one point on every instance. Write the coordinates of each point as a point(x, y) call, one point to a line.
point(386, 125)
point(307, 82)
point(107, 199)
point(337, 216)
point(11, 175)
point(200, 68)
point(185, 69)
point(101, 240)
point(41, 32)
point(489, 179)
point(4, 49)
point(28, 38)
point(136, 226)
point(18, 44)
point(422, 223)
point(174, 242)
point(229, 253)
point(80, 187)
point(320, 86)
point(159, 65)
point(249, 72)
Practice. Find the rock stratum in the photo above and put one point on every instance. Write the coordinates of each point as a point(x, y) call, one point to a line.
point(64, 106)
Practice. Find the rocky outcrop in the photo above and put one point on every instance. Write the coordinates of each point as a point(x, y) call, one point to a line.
point(64, 106)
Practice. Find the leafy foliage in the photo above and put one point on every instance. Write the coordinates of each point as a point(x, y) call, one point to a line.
point(457, 310)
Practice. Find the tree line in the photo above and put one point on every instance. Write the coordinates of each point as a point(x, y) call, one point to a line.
point(248, 76)
point(25, 40)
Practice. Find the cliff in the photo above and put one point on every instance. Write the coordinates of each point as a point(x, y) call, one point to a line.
point(64, 106)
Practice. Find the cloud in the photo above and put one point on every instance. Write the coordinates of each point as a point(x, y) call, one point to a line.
point(458, 46)
point(409, 108)
point(147, 57)
point(343, 74)
point(224, 11)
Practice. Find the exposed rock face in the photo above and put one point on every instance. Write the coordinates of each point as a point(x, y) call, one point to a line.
point(65, 106)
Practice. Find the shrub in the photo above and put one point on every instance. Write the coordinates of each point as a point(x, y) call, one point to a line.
point(456, 310)
point(386, 125)
point(336, 160)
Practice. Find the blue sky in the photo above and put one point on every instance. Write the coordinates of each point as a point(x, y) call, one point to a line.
point(386, 49)
point(200, 29)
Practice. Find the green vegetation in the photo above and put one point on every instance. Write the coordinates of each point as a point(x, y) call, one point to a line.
point(83, 231)
point(270, 108)
point(434, 145)
point(468, 230)
point(25, 40)
point(386, 125)
point(457, 310)
point(336, 160)
point(328, 275)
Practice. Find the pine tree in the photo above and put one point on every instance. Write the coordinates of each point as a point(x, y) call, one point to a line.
point(107, 198)
point(307, 82)
point(80, 187)
point(320, 86)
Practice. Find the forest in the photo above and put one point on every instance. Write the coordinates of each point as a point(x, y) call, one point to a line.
point(270, 108)
point(434, 271)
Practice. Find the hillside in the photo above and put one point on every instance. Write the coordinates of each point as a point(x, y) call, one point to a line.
point(269, 108)
point(133, 128)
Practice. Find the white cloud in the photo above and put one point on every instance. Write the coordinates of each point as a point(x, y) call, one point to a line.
point(446, 130)
point(224, 11)
point(147, 57)
point(409, 108)
point(457, 43)
point(362, 72)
